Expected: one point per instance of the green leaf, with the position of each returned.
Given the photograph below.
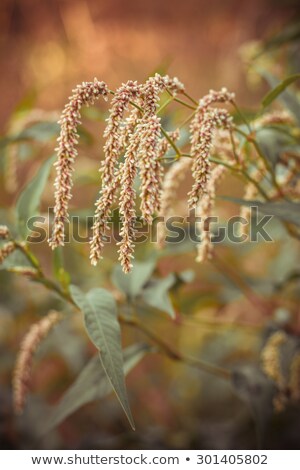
(156, 294)
(132, 283)
(287, 97)
(272, 143)
(284, 210)
(272, 95)
(100, 318)
(26, 103)
(90, 385)
(29, 200)
(186, 276)
(40, 132)
(257, 391)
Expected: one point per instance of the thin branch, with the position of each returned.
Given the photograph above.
(233, 275)
(174, 354)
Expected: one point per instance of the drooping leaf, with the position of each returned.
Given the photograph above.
(284, 210)
(287, 97)
(273, 94)
(257, 391)
(132, 283)
(100, 317)
(156, 294)
(273, 143)
(91, 384)
(29, 200)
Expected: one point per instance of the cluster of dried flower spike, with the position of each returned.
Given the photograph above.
(134, 131)
(287, 382)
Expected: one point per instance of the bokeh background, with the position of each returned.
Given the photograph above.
(49, 46)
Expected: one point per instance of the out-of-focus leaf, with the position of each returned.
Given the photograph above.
(272, 143)
(186, 276)
(287, 97)
(289, 34)
(257, 391)
(85, 136)
(16, 259)
(26, 103)
(156, 294)
(40, 132)
(91, 384)
(29, 199)
(93, 113)
(161, 68)
(273, 94)
(100, 318)
(284, 210)
(132, 283)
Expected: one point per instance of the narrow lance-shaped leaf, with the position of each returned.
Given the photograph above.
(287, 97)
(91, 384)
(100, 318)
(29, 200)
(272, 95)
(286, 210)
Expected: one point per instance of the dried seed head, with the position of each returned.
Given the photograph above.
(163, 147)
(149, 149)
(127, 203)
(274, 117)
(173, 178)
(4, 232)
(226, 147)
(213, 97)
(113, 134)
(110, 173)
(148, 164)
(84, 94)
(204, 211)
(128, 128)
(23, 368)
(270, 357)
(202, 132)
(6, 250)
(152, 89)
(101, 218)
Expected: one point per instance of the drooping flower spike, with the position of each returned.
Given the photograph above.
(84, 94)
(134, 145)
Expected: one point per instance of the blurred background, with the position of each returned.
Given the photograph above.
(49, 46)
